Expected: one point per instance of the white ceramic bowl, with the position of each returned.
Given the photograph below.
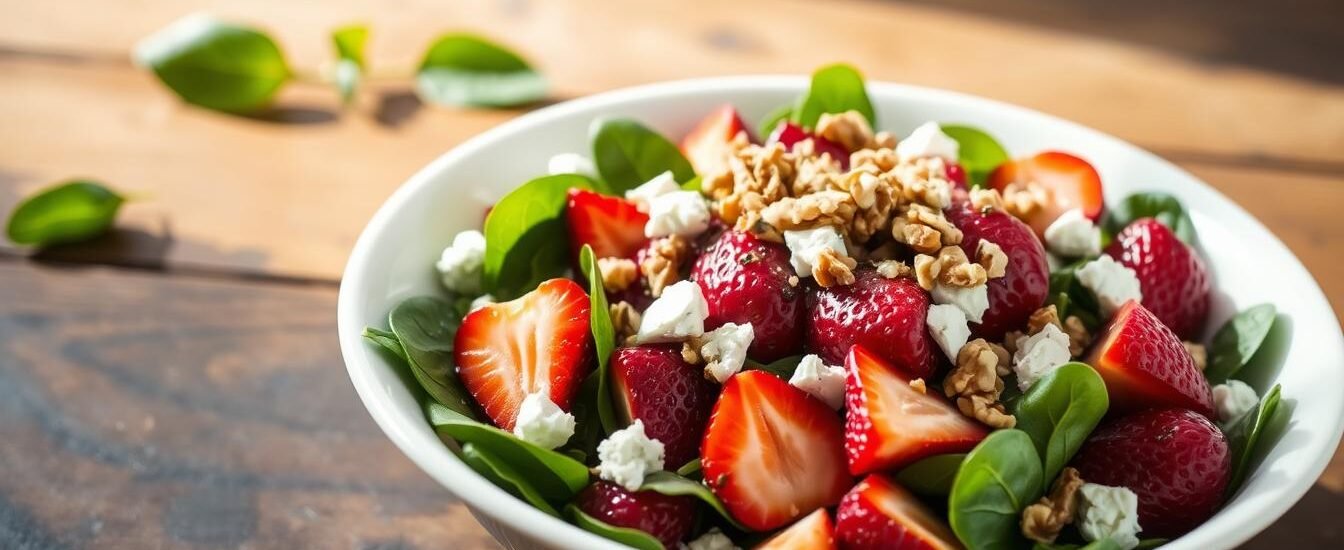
(394, 256)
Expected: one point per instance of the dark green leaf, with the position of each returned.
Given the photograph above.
(1059, 411)
(1237, 341)
(70, 212)
(214, 64)
(932, 476)
(604, 336)
(1245, 435)
(773, 118)
(1149, 544)
(782, 368)
(689, 469)
(501, 474)
(669, 483)
(999, 478)
(463, 69)
(1070, 297)
(979, 153)
(526, 241)
(426, 326)
(556, 476)
(835, 89)
(1103, 544)
(633, 538)
(387, 341)
(628, 154)
(1166, 208)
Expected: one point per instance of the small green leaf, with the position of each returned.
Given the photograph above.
(604, 336)
(690, 469)
(526, 241)
(1166, 208)
(773, 118)
(782, 368)
(556, 476)
(387, 341)
(350, 65)
(1248, 435)
(693, 184)
(633, 538)
(672, 484)
(67, 213)
(1236, 342)
(501, 474)
(932, 476)
(425, 326)
(1059, 411)
(216, 65)
(835, 89)
(998, 479)
(979, 153)
(628, 154)
(464, 69)
(1070, 297)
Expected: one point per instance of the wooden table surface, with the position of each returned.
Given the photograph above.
(178, 384)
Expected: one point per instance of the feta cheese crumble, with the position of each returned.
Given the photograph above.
(724, 349)
(928, 140)
(542, 422)
(1073, 235)
(822, 381)
(627, 455)
(713, 539)
(947, 325)
(682, 213)
(571, 163)
(1039, 354)
(806, 245)
(1111, 282)
(460, 265)
(972, 301)
(660, 185)
(1233, 400)
(675, 316)
(480, 302)
(1109, 512)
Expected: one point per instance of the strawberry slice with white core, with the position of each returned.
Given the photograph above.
(814, 532)
(879, 514)
(613, 226)
(772, 453)
(706, 146)
(536, 343)
(1070, 182)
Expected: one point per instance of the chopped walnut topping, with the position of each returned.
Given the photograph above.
(1080, 337)
(919, 385)
(833, 268)
(625, 321)
(893, 269)
(926, 271)
(885, 140)
(922, 238)
(1047, 315)
(956, 270)
(918, 214)
(1010, 340)
(1199, 353)
(976, 383)
(617, 273)
(662, 266)
(830, 207)
(1043, 521)
(924, 181)
(1022, 199)
(848, 129)
(690, 353)
(992, 258)
(986, 200)
(874, 160)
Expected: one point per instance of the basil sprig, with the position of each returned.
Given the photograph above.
(217, 65)
(67, 213)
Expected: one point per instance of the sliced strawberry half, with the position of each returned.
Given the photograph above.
(879, 514)
(772, 453)
(1070, 181)
(813, 532)
(655, 385)
(1145, 365)
(706, 146)
(890, 424)
(538, 342)
(613, 226)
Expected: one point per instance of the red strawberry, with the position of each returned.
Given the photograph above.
(1013, 297)
(1145, 365)
(746, 280)
(813, 532)
(885, 315)
(611, 225)
(1071, 182)
(508, 350)
(889, 424)
(671, 396)
(706, 146)
(1172, 276)
(879, 514)
(789, 134)
(772, 453)
(956, 174)
(1175, 460)
(668, 518)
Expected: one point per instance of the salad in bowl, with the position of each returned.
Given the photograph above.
(814, 333)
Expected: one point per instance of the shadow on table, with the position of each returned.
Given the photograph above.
(1311, 523)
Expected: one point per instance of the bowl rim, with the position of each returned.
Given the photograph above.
(479, 494)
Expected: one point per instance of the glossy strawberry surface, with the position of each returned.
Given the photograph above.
(885, 315)
(878, 514)
(813, 532)
(613, 226)
(1175, 283)
(668, 518)
(707, 145)
(1025, 285)
(746, 280)
(1069, 181)
(1145, 365)
(789, 134)
(672, 397)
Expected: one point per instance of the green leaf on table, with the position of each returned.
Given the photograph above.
(782, 368)
(773, 118)
(505, 477)
(604, 336)
(387, 341)
(350, 64)
(1236, 342)
(628, 154)
(998, 479)
(216, 65)
(465, 69)
(1162, 206)
(932, 476)
(1059, 411)
(425, 326)
(633, 538)
(66, 213)
(671, 484)
(526, 241)
(835, 89)
(1247, 437)
(978, 152)
(556, 476)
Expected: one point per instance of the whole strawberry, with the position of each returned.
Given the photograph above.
(1175, 460)
(1025, 286)
(668, 518)
(885, 315)
(747, 280)
(1172, 276)
(655, 385)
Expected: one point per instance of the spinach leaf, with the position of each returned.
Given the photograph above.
(633, 538)
(1166, 208)
(387, 341)
(690, 469)
(835, 89)
(628, 154)
(979, 153)
(1059, 411)
(672, 484)
(782, 368)
(425, 326)
(501, 474)
(1149, 544)
(464, 69)
(71, 212)
(932, 476)
(1247, 437)
(556, 476)
(216, 65)
(1070, 297)
(1103, 544)
(998, 479)
(604, 336)
(350, 65)
(693, 184)
(1236, 342)
(526, 240)
(773, 119)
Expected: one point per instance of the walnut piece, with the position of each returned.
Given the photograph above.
(662, 266)
(986, 200)
(624, 322)
(690, 352)
(1080, 337)
(894, 269)
(848, 129)
(1010, 340)
(992, 257)
(927, 269)
(1043, 520)
(1047, 315)
(976, 383)
(617, 273)
(919, 385)
(956, 270)
(833, 268)
(1023, 199)
(829, 207)
(1199, 353)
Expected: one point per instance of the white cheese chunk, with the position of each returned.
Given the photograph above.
(684, 213)
(1109, 512)
(947, 325)
(806, 245)
(461, 264)
(660, 185)
(675, 316)
(822, 381)
(542, 422)
(1039, 354)
(973, 301)
(627, 455)
(928, 140)
(724, 350)
(1233, 400)
(1111, 282)
(1072, 235)
(714, 539)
